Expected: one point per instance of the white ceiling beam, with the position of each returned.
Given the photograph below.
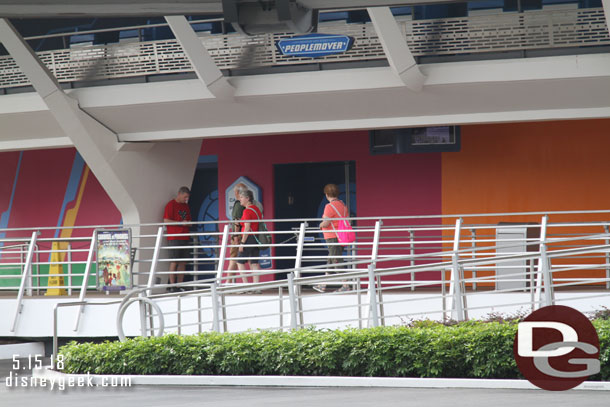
(139, 8)
(36, 144)
(202, 62)
(395, 47)
(606, 6)
(106, 8)
(472, 73)
(369, 123)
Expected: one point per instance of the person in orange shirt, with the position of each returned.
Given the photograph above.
(335, 208)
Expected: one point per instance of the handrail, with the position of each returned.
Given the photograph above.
(83, 290)
(386, 249)
(26, 272)
(340, 277)
(360, 273)
(69, 304)
(313, 220)
(291, 282)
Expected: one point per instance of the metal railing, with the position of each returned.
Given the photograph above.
(504, 31)
(397, 268)
(561, 260)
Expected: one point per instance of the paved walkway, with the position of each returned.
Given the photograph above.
(149, 396)
(170, 396)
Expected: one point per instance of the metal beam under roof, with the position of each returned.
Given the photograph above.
(121, 8)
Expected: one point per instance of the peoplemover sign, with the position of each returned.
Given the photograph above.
(315, 45)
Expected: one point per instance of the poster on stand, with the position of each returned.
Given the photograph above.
(113, 260)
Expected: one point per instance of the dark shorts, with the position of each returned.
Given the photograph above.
(334, 250)
(182, 253)
(253, 251)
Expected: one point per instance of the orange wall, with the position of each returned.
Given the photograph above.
(543, 166)
(531, 167)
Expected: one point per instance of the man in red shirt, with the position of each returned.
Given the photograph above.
(177, 210)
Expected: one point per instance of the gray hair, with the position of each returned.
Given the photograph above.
(247, 193)
(184, 190)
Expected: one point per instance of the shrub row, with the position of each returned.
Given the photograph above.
(470, 349)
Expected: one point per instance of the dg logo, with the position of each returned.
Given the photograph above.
(556, 348)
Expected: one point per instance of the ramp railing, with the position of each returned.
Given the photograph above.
(441, 266)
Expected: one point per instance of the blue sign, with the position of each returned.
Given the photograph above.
(315, 45)
(230, 197)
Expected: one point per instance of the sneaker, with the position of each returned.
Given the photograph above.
(319, 288)
(343, 289)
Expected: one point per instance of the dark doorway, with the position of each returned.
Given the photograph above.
(204, 207)
(299, 194)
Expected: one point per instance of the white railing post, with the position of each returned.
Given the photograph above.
(606, 231)
(69, 257)
(299, 257)
(375, 248)
(22, 254)
(544, 273)
(199, 313)
(297, 267)
(444, 294)
(223, 254)
(473, 235)
(455, 287)
(280, 294)
(37, 269)
(151, 282)
(215, 309)
(293, 301)
(179, 313)
(373, 313)
(24, 278)
(155, 261)
(374, 256)
(30, 284)
(412, 253)
(85, 283)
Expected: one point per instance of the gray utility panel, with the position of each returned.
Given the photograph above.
(512, 239)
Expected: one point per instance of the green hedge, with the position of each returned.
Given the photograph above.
(427, 349)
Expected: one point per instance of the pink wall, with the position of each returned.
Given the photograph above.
(8, 167)
(398, 184)
(43, 187)
(402, 184)
(386, 185)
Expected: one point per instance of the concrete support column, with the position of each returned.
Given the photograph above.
(140, 178)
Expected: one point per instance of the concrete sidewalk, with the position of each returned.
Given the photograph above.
(168, 396)
(236, 396)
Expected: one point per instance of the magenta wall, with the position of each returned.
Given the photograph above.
(398, 184)
(39, 188)
(49, 180)
(386, 185)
